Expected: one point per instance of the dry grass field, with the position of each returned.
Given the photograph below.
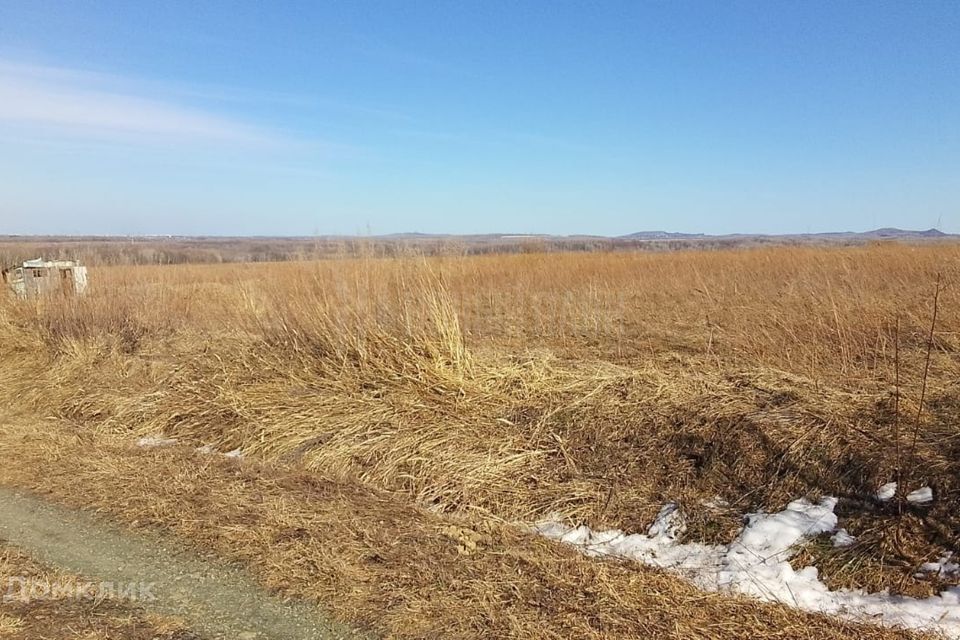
(488, 391)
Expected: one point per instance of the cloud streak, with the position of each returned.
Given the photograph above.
(98, 106)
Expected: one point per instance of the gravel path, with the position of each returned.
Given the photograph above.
(218, 601)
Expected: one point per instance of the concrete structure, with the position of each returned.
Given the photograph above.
(41, 277)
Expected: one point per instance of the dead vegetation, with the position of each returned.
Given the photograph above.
(596, 386)
(384, 564)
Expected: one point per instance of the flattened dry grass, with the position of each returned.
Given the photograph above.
(380, 563)
(594, 386)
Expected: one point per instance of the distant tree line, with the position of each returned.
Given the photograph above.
(160, 251)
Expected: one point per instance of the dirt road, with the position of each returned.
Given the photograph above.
(217, 601)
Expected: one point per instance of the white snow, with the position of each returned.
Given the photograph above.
(152, 442)
(756, 564)
(209, 450)
(716, 503)
(923, 495)
(945, 567)
(842, 538)
(887, 491)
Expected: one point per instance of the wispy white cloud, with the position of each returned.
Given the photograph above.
(94, 105)
(178, 91)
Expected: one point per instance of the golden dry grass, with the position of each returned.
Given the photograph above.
(595, 386)
(384, 565)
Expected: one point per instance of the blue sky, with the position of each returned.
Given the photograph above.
(287, 118)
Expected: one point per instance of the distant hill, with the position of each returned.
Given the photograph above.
(891, 232)
(662, 235)
(886, 233)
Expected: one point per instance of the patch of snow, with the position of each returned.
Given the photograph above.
(945, 567)
(757, 564)
(210, 450)
(842, 538)
(716, 503)
(923, 495)
(152, 442)
(669, 523)
(887, 491)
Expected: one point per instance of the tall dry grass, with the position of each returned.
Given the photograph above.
(596, 386)
(812, 311)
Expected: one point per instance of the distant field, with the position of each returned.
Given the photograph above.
(590, 386)
(151, 250)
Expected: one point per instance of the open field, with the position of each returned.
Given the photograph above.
(453, 398)
(148, 250)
